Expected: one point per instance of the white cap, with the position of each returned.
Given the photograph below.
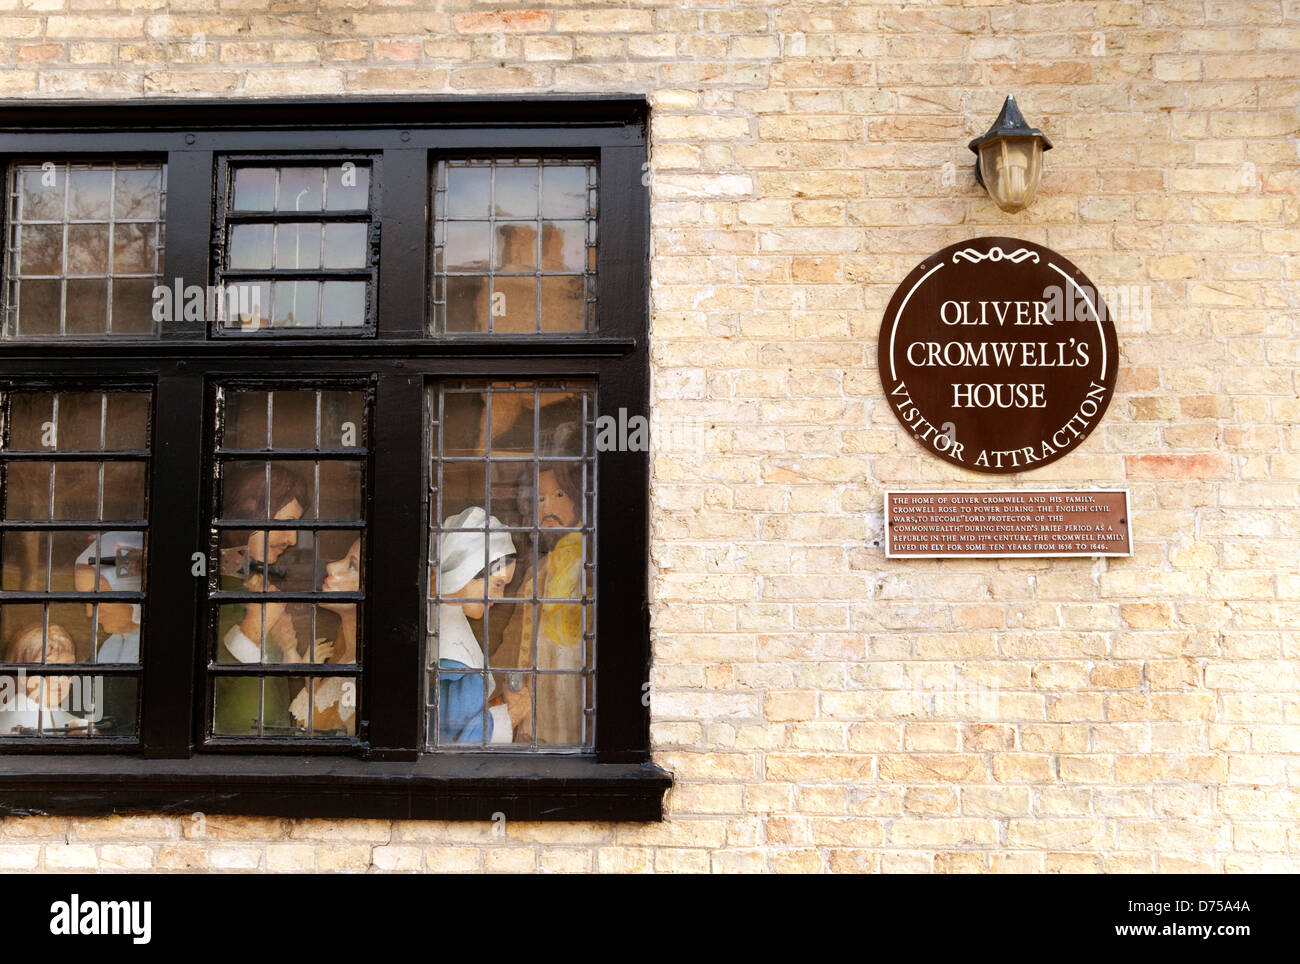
(461, 555)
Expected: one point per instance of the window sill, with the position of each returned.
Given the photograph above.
(432, 788)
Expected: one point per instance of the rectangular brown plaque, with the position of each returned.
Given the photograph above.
(1067, 522)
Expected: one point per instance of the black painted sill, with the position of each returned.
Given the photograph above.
(446, 787)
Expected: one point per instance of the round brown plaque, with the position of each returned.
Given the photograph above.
(998, 355)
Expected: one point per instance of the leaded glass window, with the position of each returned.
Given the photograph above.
(514, 245)
(512, 566)
(73, 540)
(85, 248)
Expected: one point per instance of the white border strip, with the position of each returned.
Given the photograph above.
(1096, 315)
(898, 316)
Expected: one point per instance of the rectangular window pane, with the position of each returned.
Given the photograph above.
(511, 615)
(84, 249)
(514, 245)
(73, 539)
(310, 272)
(289, 529)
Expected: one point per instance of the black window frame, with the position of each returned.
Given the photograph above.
(391, 775)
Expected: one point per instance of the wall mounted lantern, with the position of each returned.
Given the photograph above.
(1009, 158)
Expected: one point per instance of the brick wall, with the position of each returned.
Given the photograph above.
(822, 708)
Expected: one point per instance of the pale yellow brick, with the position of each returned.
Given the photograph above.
(677, 860)
(925, 834)
(70, 857)
(798, 861)
(397, 857)
(372, 831)
(456, 860)
(565, 861)
(126, 857)
(200, 826)
(234, 858)
(182, 857)
(20, 856)
(133, 827)
(293, 858)
(342, 857)
(623, 860)
(510, 860)
(930, 800)
(35, 827)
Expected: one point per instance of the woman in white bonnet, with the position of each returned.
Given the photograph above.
(476, 567)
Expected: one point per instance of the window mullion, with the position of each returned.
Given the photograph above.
(188, 235)
(402, 205)
(622, 550)
(623, 249)
(170, 653)
(392, 698)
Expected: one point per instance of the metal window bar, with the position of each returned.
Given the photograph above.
(18, 219)
(49, 595)
(442, 218)
(310, 671)
(533, 596)
(277, 218)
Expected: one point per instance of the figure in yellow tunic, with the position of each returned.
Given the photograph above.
(557, 630)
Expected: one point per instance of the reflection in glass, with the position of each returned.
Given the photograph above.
(301, 189)
(295, 303)
(87, 249)
(254, 189)
(133, 306)
(343, 304)
(345, 245)
(515, 192)
(467, 246)
(40, 305)
(250, 246)
(41, 196)
(347, 188)
(563, 304)
(135, 196)
(465, 303)
(87, 306)
(515, 247)
(564, 191)
(133, 248)
(514, 304)
(297, 246)
(88, 193)
(469, 192)
(564, 246)
(40, 249)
